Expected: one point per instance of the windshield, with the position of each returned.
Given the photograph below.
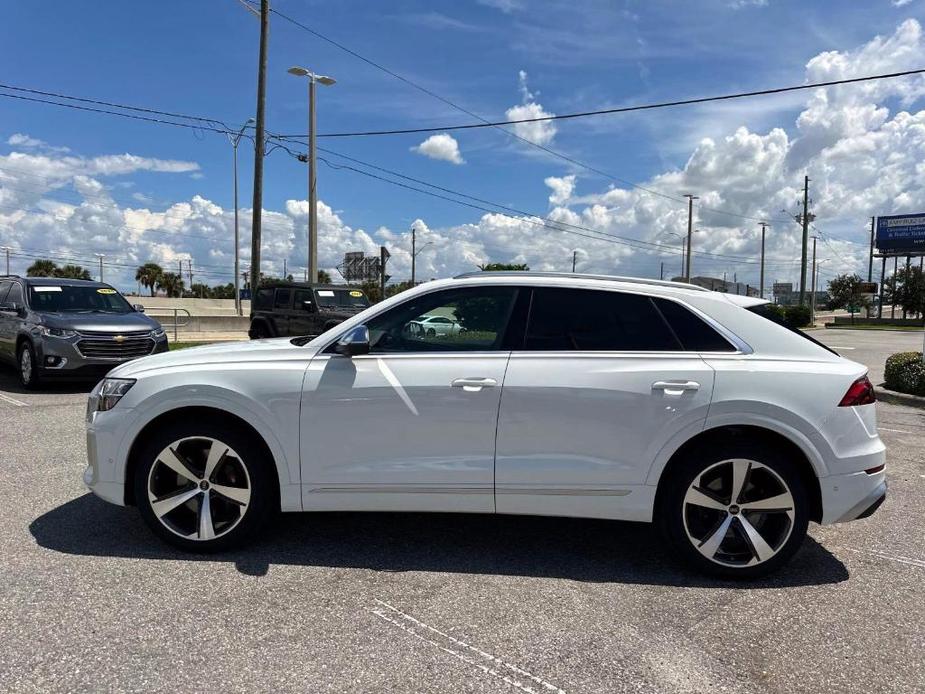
(349, 298)
(74, 299)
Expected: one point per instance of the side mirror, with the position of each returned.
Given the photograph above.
(139, 308)
(354, 342)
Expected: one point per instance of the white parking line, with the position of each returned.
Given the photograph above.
(407, 623)
(842, 347)
(895, 431)
(900, 559)
(13, 401)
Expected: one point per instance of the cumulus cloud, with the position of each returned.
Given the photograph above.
(901, 3)
(24, 141)
(506, 6)
(562, 188)
(541, 132)
(443, 147)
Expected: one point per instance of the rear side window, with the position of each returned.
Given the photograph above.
(283, 298)
(693, 333)
(264, 299)
(585, 319)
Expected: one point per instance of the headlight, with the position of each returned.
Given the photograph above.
(111, 391)
(56, 332)
(158, 333)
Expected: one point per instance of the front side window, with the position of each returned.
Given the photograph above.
(15, 295)
(283, 297)
(263, 299)
(479, 316)
(591, 320)
(303, 300)
(4, 290)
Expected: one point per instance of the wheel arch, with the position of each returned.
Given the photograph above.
(263, 321)
(192, 413)
(752, 433)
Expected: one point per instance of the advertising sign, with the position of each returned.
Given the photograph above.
(901, 234)
(782, 288)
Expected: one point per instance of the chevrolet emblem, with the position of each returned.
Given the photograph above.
(119, 338)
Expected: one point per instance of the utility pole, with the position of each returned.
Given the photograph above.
(413, 254)
(805, 221)
(870, 263)
(384, 255)
(764, 226)
(7, 249)
(906, 279)
(285, 274)
(690, 233)
(100, 256)
(235, 141)
(189, 267)
(661, 272)
(812, 298)
(259, 145)
(575, 259)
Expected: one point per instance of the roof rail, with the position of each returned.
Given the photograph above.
(587, 276)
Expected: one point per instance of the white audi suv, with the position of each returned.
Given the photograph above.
(560, 395)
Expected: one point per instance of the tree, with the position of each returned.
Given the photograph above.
(42, 268)
(149, 275)
(845, 290)
(908, 286)
(171, 283)
(501, 267)
(324, 277)
(73, 272)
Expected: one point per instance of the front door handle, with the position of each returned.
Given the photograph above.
(675, 387)
(473, 385)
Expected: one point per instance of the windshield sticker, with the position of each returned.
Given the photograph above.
(356, 293)
(324, 292)
(46, 289)
(105, 290)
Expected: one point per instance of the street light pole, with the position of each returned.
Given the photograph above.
(312, 177)
(690, 232)
(413, 254)
(235, 141)
(7, 249)
(764, 226)
(100, 256)
(812, 297)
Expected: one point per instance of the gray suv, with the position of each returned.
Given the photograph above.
(70, 328)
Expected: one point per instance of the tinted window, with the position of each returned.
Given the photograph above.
(583, 319)
(4, 288)
(477, 317)
(264, 299)
(301, 296)
(15, 295)
(283, 298)
(693, 333)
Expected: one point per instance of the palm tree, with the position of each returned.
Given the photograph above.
(73, 272)
(171, 283)
(324, 277)
(148, 275)
(42, 268)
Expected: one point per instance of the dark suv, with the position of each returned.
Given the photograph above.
(296, 308)
(53, 327)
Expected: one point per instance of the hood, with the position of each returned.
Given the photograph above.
(223, 353)
(100, 322)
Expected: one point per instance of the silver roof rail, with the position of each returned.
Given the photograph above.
(580, 275)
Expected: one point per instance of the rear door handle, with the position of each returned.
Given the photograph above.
(675, 387)
(473, 384)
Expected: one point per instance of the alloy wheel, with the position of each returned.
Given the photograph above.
(738, 512)
(198, 488)
(25, 365)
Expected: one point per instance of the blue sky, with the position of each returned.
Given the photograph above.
(200, 58)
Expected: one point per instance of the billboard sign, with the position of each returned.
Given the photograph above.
(901, 234)
(782, 288)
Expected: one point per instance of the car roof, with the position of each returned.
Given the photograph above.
(566, 279)
(61, 282)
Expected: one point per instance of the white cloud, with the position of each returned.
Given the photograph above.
(506, 6)
(27, 142)
(541, 132)
(739, 4)
(562, 189)
(901, 3)
(442, 146)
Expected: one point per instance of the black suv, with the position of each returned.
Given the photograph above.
(296, 308)
(52, 327)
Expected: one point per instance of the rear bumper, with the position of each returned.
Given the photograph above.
(851, 497)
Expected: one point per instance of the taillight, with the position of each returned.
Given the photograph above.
(861, 392)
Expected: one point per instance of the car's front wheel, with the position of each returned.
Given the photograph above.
(203, 487)
(737, 511)
(28, 365)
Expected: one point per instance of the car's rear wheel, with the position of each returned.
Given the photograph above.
(203, 488)
(28, 365)
(260, 332)
(737, 511)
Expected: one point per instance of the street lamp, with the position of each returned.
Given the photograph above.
(235, 140)
(100, 256)
(312, 179)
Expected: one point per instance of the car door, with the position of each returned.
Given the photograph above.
(600, 384)
(8, 322)
(301, 320)
(411, 425)
(282, 307)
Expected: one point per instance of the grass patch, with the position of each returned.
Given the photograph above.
(905, 328)
(183, 345)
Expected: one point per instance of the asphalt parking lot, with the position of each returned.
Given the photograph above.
(411, 603)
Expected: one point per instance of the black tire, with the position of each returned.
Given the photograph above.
(260, 331)
(675, 517)
(431, 332)
(33, 381)
(264, 488)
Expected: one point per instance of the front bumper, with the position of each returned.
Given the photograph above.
(105, 471)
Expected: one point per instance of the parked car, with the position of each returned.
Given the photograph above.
(624, 399)
(297, 308)
(63, 328)
(433, 326)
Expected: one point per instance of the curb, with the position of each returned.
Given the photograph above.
(896, 398)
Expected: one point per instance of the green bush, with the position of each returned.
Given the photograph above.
(796, 316)
(905, 373)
